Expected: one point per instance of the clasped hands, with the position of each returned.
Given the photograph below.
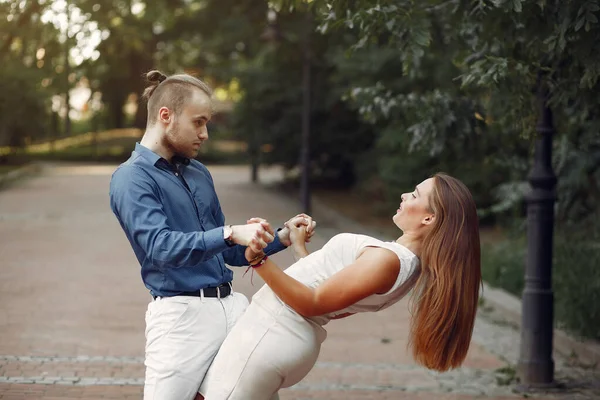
(258, 233)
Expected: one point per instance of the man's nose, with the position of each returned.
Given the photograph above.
(203, 134)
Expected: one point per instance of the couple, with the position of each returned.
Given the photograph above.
(166, 203)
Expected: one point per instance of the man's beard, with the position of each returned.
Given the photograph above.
(175, 145)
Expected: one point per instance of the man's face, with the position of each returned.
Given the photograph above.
(187, 131)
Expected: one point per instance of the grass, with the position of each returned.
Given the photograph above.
(117, 150)
(4, 169)
(354, 205)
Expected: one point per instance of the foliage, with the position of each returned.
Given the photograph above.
(156, 34)
(463, 61)
(23, 106)
(269, 73)
(438, 84)
(575, 255)
(29, 60)
(503, 264)
(577, 300)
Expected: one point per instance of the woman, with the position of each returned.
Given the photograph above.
(277, 341)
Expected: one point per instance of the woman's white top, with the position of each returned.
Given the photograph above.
(343, 250)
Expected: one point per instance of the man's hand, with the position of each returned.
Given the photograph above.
(254, 234)
(298, 220)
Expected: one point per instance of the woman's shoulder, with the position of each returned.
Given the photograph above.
(357, 242)
(352, 239)
(354, 236)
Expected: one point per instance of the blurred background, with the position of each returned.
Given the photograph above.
(365, 98)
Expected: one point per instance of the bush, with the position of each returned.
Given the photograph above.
(576, 283)
(575, 280)
(24, 106)
(503, 265)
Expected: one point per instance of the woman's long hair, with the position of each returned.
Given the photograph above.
(447, 292)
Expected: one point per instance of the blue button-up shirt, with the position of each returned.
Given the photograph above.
(173, 220)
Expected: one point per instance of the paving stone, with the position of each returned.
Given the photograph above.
(72, 319)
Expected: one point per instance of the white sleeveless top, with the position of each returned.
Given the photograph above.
(343, 250)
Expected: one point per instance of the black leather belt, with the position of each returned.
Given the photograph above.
(221, 291)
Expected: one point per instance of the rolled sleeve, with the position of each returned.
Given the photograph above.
(235, 256)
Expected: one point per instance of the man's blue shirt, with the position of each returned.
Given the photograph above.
(172, 217)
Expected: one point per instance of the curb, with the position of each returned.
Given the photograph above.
(28, 169)
(507, 305)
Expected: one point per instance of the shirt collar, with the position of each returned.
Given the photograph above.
(155, 158)
(181, 160)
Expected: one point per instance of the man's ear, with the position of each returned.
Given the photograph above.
(429, 219)
(164, 115)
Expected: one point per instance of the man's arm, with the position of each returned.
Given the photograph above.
(137, 205)
(234, 256)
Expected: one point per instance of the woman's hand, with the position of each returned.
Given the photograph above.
(298, 233)
(298, 236)
(304, 219)
(253, 252)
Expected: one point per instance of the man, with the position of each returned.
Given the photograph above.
(166, 203)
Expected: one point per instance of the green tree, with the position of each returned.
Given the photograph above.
(461, 63)
(30, 53)
(21, 98)
(236, 46)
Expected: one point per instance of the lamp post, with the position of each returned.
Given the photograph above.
(271, 35)
(305, 147)
(536, 366)
(67, 72)
(254, 150)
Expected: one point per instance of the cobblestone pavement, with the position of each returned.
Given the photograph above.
(72, 313)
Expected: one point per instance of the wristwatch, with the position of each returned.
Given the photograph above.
(227, 235)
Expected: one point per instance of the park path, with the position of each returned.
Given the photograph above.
(72, 303)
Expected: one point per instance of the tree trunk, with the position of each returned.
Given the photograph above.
(116, 111)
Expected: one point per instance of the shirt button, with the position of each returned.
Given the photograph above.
(176, 174)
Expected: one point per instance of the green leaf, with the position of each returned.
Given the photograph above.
(593, 7)
(390, 24)
(421, 37)
(517, 6)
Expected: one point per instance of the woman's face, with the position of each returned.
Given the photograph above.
(414, 211)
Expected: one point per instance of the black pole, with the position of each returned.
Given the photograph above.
(254, 157)
(536, 366)
(305, 149)
(67, 73)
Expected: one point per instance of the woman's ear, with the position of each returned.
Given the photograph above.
(428, 220)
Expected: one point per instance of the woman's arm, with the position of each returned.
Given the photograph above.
(375, 271)
(299, 251)
(299, 234)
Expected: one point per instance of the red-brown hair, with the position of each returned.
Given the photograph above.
(447, 292)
